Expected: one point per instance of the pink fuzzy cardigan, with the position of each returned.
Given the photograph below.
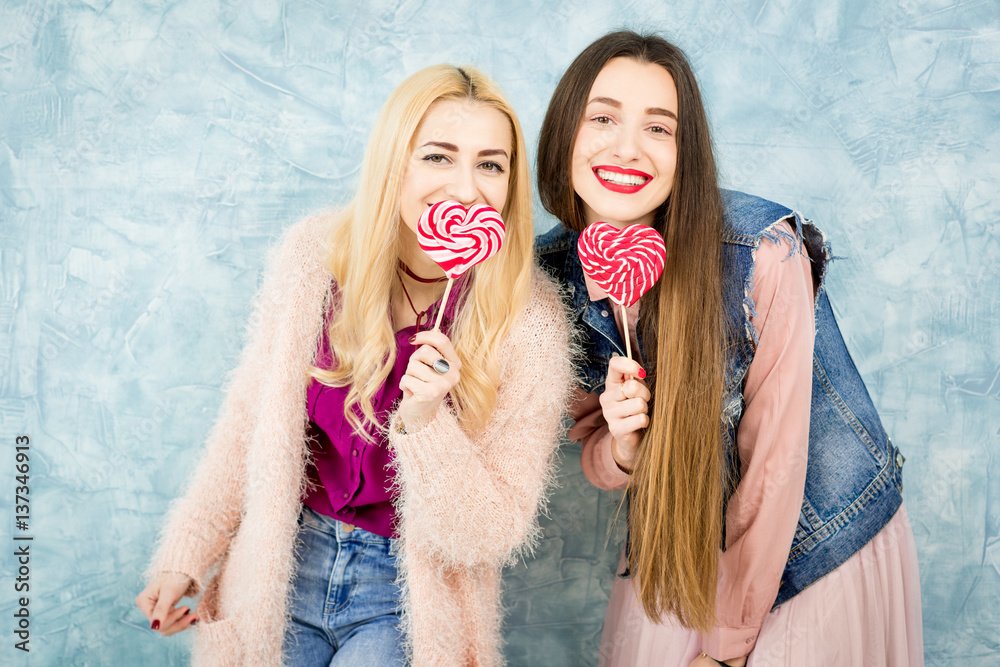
(467, 505)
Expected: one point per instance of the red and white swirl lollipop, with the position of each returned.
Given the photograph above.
(625, 263)
(458, 238)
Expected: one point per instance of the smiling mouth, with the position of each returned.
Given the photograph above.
(622, 180)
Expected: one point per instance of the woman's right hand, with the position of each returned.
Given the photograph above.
(159, 599)
(625, 403)
(423, 387)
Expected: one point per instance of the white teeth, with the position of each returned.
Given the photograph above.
(620, 179)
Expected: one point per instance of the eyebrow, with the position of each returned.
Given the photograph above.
(454, 149)
(650, 111)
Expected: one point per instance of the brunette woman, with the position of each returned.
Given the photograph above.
(364, 465)
(765, 516)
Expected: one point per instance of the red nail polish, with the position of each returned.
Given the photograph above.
(642, 374)
(155, 625)
(194, 621)
(412, 338)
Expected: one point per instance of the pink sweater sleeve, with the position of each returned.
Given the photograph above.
(471, 501)
(201, 523)
(773, 441)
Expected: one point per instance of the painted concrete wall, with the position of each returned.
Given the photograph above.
(150, 153)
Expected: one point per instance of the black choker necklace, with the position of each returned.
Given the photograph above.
(406, 270)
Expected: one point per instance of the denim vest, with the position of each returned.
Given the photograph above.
(853, 479)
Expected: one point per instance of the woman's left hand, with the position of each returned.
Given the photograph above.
(424, 387)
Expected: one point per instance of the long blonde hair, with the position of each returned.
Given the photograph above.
(365, 244)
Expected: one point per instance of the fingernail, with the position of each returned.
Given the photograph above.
(413, 337)
(155, 625)
(194, 621)
(642, 374)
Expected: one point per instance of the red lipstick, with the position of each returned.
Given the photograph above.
(618, 187)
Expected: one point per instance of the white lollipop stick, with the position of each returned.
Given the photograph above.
(444, 302)
(628, 336)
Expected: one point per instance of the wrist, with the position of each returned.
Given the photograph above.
(413, 418)
(624, 462)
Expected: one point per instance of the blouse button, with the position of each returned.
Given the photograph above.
(346, 496)
(355, 453)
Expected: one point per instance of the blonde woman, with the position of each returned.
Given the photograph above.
(368, 476)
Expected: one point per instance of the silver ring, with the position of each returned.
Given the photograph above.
(441, 366)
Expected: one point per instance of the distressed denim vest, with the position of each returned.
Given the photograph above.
(853, 480)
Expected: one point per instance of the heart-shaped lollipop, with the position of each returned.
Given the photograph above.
(458, 239)
(623, 262)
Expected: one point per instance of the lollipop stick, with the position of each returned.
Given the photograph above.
(444, 302)
(628, 336)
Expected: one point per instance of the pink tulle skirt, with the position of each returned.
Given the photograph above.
(866, 613)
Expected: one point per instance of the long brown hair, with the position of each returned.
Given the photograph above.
(676, 491)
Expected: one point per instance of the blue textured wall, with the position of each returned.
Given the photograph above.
(150, 152)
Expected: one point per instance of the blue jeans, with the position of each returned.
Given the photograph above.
(345, 603)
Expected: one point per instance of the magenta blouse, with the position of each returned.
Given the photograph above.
(351, 479)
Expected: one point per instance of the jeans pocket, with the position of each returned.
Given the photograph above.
(375, 583)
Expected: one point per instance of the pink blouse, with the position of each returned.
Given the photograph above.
(773, 441)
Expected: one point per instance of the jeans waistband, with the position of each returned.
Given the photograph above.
(339, 529)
